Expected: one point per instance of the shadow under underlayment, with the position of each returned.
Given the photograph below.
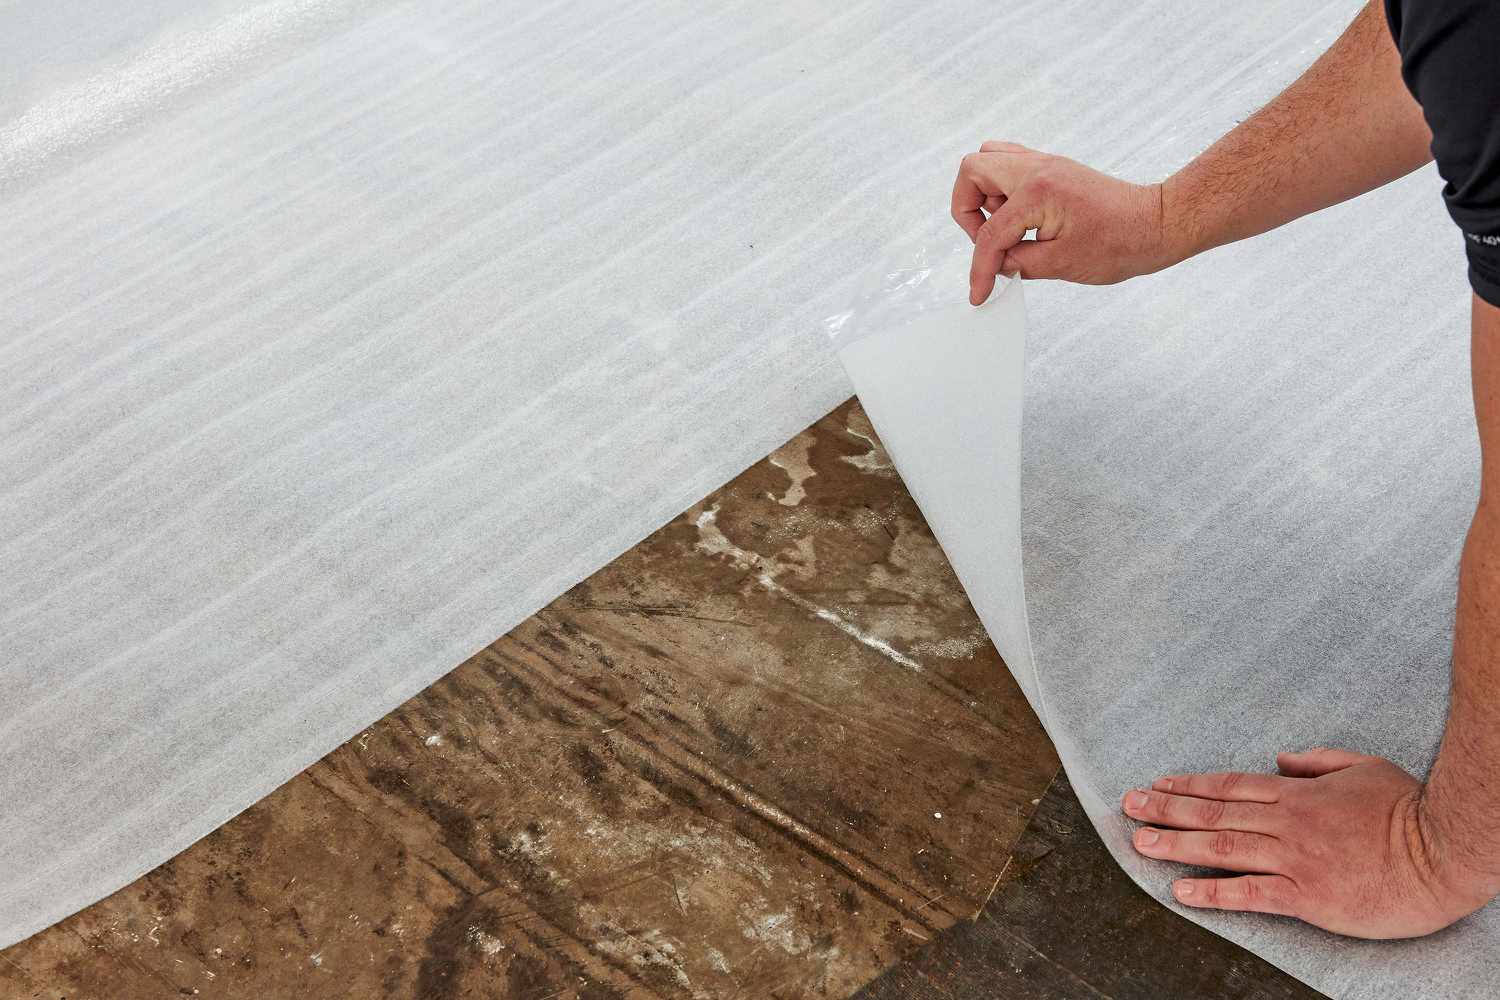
(1071, 924)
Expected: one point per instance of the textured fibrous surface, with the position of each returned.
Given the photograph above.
(336, 339)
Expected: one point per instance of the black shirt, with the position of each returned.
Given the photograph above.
(1450, 60)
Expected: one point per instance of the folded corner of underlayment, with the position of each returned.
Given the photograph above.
(1165, 591)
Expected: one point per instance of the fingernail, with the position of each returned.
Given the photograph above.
(1135, 800)
(1147, 837)
(1184, 888)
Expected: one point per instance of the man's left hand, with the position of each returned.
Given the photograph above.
(1338, 839)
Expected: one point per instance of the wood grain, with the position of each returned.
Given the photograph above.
(765, 753)
(1067, 922)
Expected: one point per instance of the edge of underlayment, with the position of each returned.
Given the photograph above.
(1112, 827)
(1114, 830)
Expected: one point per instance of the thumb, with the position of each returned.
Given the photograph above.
(1032, 259)
(1316, 762)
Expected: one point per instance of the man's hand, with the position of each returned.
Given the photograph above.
(1090, 227)
(1340, 840)
(1345, 126)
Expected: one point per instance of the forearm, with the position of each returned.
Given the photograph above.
(1461, 802)
(1346, 126)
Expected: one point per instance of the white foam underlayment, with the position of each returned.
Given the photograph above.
(337, 338)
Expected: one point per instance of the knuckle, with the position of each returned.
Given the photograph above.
(1285, 897)
(1223, 844)
(1211, 812)
(1229, 782)
(1249, 891)
(1046, 181)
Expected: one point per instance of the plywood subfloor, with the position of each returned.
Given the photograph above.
(767, 752)
(1066, 923)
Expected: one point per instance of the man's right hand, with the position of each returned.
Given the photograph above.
(1090, 228)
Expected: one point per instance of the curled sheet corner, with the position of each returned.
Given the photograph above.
(943, 384)
(1209, 578)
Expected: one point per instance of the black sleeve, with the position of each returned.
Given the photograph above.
(1450, 60)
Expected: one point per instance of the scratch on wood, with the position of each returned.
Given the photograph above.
(934, 899)
(989, 895)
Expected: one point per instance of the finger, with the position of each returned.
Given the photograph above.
(1033, 259)
(1003, 231)
(1316, 762)
(993, 202)
(982, 176)
(968, 200)
(999, 146)
(1187, 813)
(1232, 786)
(1234, 850)
(1256, 893)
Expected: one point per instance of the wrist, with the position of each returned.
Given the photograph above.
(1463, 863)
(1177, 236)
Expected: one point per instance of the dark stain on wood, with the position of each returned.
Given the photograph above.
(1069, 923)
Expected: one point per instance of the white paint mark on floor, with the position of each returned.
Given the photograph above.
(778, 929)
(953, 647)
(876, 459)
(792, 459)
(711, 539)
(481, 941)
(646, 950)
(848, 628)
